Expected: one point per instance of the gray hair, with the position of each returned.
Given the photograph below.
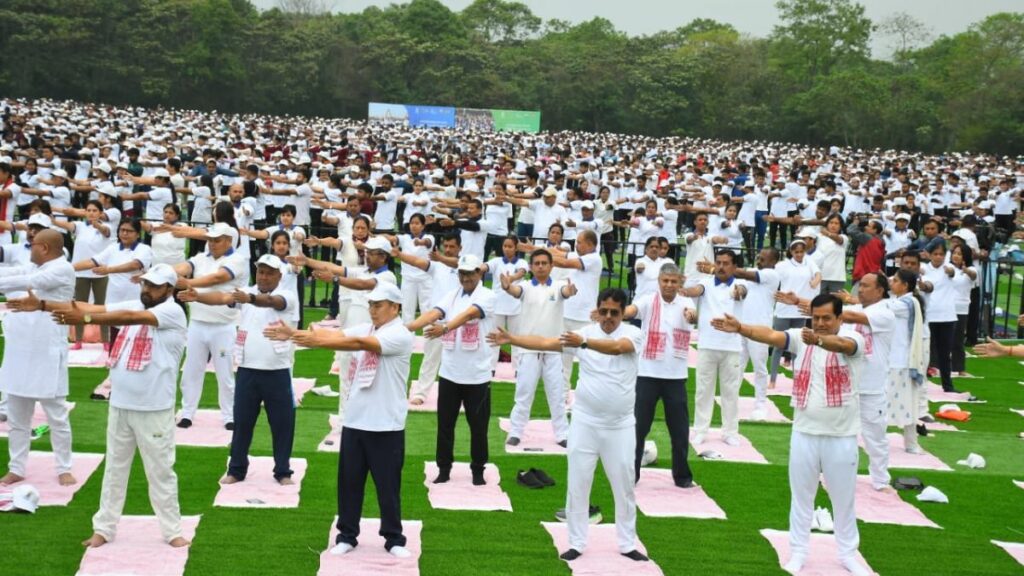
(669, 269)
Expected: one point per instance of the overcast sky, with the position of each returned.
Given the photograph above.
(756, 17)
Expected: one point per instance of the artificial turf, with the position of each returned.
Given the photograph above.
(984, 504)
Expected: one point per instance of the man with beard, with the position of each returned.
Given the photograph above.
(143, 376)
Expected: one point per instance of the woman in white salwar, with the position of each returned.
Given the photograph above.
(907, 359)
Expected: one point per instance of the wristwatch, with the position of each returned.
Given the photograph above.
(87, 319)
(584, 345)
(819, 341)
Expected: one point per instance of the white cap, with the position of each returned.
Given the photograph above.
(219, 229)
(587, 205)
(23, 497)
(40, 219)
(161, 274)
(550, 192)
(973, 461)
(469, 263)
(378, 243)
(807, 232)
(107, 188)
(903, 216)
(273, 262)
(798, 241)
(59, 173)
(161, 173)
(932, 494)
(385, 291)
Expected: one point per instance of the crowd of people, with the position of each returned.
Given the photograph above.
(200, 235)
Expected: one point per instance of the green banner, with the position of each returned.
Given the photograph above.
(516, 120)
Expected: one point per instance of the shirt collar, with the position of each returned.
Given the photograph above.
(121, 246)
(383, 268)
(535, 282)
(726, 282)
(512, 261)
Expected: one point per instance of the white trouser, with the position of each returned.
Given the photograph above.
(910, 441)
(3, 403)
(531, 366)
(214, 342)
(922, 397)
(19, 440)
(757, 354)
(568, 355)
(725, 367)
(874, 415)
(429, 367)
(153, 434)
(835, 457)
(415, 291)
(510, 323)
(356, 315)
(616, 447)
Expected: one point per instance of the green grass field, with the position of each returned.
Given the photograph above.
(984, 504)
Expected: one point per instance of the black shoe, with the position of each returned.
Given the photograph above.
(229, 426)
(922, 430)
(478, 478)
(185, 423)
(685, 484)
(637, 556)
(927, 418)
(951, 390)
(529, 479)
(443, 475)
(563, 443)
(95, 396)
(570, 554)
(594, 511)
(543, 477)
(512, 441)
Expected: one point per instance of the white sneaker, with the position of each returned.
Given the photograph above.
(825, 523)
(795, 564)
(854, 567)
(815, 525)
(732, 441)
(914, 450)
(399, 552)
(342, 548)
(759, 415)
(697, 439)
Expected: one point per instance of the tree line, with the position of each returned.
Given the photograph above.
(812, 80)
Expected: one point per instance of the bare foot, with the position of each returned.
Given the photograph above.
(229, 479)
(179, 542)
(66, 479)
(887, 490)
(286, 481)
(771, 385)
(416, 401)
(94, 541)
(11, 478)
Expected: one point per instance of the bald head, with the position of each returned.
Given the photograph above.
(47, 245)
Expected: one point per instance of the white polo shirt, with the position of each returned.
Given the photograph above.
(606, 390)
(154, 387)
(381, 274)
(542, 311)
(818, 418)
(716, 302)
(203, 264)
(878, 337)
(88, 242)
(382, 406)
(588, 284)
(647, 278)
(942, 300)
(796, 277)
(252, 348)
(465, 354)
(544, 216)
(406, 243)
(758, 307)
(669, 363)
(158, 199)
(444, 279)
(120, 287)
(504, 303)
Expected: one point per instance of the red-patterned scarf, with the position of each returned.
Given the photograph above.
(139, 356)
(837, 380)
(656, 339)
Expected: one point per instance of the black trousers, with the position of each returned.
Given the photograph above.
(477, 400)
(943, 336)
(272, 389)
(381, 454)
(672, 393)
(493, 246)
(973, 317)
(959, 361)
(608, 245)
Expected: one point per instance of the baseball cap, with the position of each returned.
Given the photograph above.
(273, 262)
(587, 205)
(385, 291)
(23, 497)
(59, 173)
(469, 263)
(378, 243)
(161, 173)
(550, 192)
(903, 216)
(217, 230)
(40, 219)
(161, 274)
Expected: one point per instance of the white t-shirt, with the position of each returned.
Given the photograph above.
(606, 389)
(588, 284)
(167, 249)
(542, 312)
(942, 299)
(383, 405)
(504, 303)
(795, 277)
(88, 242)
(203, 264)
(962, 286)
(497, 216)
(159, 198)
(878, 339)
(818, 418)
(120, 287)
(758, 308)
(669, 362)
(647, 272)
(544, 216)
(259, 352)
(466, 356)
(831, 259)
(154, 387)
(716, 302)
(384, 217)
(406, 243)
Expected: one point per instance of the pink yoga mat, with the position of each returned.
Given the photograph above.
(1014, 549)
(505, 372)
(658, 496)
(40, 472)
(823, 558)
(936, 394)
(370, 558)
(92, 355)
(745, 452)
(331, 442)
(746, 406)
(139, 550)
(538, 438)
(300, 386)
(429, 403)
(260, 490)
(207, 430)
(940, 426)
(900, 458)
(38, 419)
(459, 493)
(691, 357)
(783, 384)
(886, 508)
(602, 557)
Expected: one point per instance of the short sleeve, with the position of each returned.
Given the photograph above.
(881, 319)
(858, 340)
(237, 266)
(642, 304)
(395, 341)
(169, 316)
(104, 256)
(794, 344)
(144, 254)
(635, 336)
(484, 300)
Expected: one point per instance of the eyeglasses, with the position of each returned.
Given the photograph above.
(612, 312)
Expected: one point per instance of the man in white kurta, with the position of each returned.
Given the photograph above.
(603, 424)
(35, 364)
(826, 421)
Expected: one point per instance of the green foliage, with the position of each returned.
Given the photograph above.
(813, 80)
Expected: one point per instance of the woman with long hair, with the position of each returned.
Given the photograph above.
(907, 368)
(961, 257)
(92, 234)
(799, 276)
